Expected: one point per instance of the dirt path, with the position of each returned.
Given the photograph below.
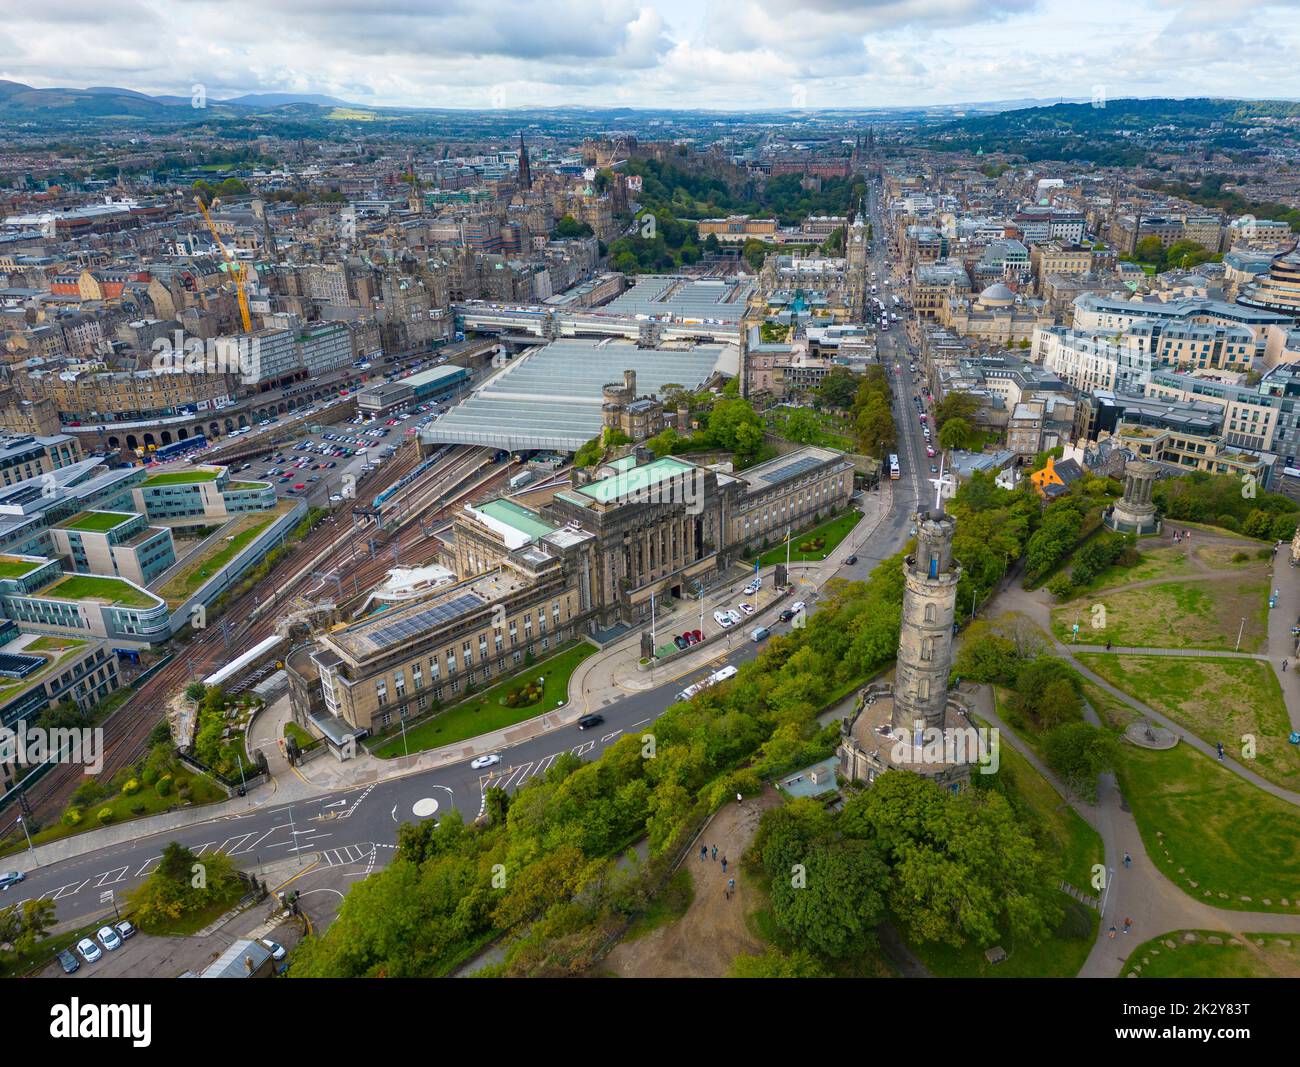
(704, 941)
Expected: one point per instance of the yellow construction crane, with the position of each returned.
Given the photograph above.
(237, 269)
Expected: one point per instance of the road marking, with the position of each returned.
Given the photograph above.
(144, 867)
(68, 890)
(609, 737)
(584, 748)
(112, 877)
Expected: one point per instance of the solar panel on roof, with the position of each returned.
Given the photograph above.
(16, 665)
(792, 470)
(423, 621)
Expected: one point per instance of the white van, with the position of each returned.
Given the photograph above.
(759, 633)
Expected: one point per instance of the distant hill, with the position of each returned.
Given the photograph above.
(260, 100)
(19, 101)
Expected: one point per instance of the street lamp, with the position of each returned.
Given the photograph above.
(30, 848)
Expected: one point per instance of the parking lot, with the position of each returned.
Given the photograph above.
(317, 464)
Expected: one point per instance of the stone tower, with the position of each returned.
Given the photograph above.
(925, 639)
(855, 255)
(1136, 512)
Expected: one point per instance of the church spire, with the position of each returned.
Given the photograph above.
(525, 172)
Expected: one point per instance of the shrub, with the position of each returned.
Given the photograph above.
(72, 817)
(1240, 557)
(131, 788)
(139, 809)
(105, 816)
(1061, 587)
(164, 786)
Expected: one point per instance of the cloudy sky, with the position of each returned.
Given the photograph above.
(661, 53)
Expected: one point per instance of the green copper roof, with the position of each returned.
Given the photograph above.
(517, 516)
(635, 480)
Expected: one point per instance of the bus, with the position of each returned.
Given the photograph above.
(894, 472)
(704, 683)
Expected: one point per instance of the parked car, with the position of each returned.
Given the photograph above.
(588, 721)
(754, 586)
(722, 618)
(746, 607)
(109, 938)
(485, 761)
(68, 961)
(735, 616)
(693, 636)
(125, 929)
(278, 951)
(681, 641)
(90, 951)
(798, 606)
(11, 878)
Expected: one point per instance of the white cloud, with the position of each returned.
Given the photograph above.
(671, 53)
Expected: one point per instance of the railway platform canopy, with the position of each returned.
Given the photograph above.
(551, 398)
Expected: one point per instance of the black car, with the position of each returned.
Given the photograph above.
(588, 721)
(680, 642)
(851, 560)
(786, 615)
(68, 962)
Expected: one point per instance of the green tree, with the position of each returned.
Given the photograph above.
(875, 427)
(735, 426)
(955, 434)
(802, 427)
(838, 388)
(1079, 753)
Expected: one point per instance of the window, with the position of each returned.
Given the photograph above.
(931, 613)
(381, 692)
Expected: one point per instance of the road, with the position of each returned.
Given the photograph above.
(356, 828)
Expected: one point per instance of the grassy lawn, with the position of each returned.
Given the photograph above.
(53, 644)
(1201, 823)
(292, 729)
(1168, 562)
(207, 565)
(237, 486)
(1169, 956)
(1058, 956)
(1110, 709)
(831, 532)
(1216, 699)
(1060, 827)
(93, 587)
(1194, 614)
(96, 521)
(484, 712)
(202, 791)
(180, 478)
(16, 568)
(1227, 557)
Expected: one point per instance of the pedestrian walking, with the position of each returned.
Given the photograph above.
(1220, 745)
(1107, 646)
(703, 852)
(739, 799)
(1128, 923)
(724, 864)
(1128, 860)
(1111, 934)
(1284, 666)
(731, 885)
(715, 853)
